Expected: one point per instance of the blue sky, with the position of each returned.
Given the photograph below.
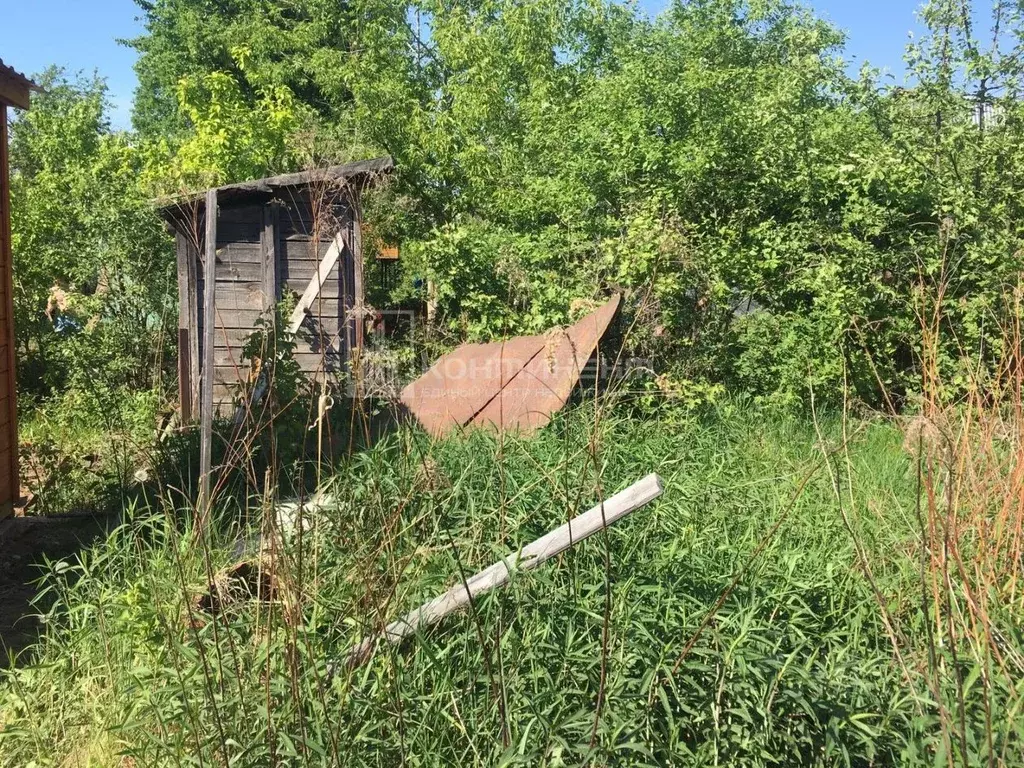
(82, 35)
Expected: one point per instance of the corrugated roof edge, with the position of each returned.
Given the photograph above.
(15, 74)
(268, 185)
(11, 75)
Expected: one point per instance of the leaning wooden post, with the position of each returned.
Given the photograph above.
(185, 309)
(531, 556)
(209, 339)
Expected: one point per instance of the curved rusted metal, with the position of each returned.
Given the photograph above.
(518, 384)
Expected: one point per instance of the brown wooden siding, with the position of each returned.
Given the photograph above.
(266, 249)
(10, 488)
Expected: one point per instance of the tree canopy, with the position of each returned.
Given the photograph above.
(772, 220)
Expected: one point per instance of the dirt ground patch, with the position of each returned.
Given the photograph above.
(25, 544)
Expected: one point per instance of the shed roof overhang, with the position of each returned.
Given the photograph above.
(261, 189)
(15, 88)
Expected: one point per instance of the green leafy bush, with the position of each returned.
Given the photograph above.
(714, 156)
(94, 294)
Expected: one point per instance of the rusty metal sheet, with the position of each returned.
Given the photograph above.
(543, 386)
(461, 383)
(516, 384)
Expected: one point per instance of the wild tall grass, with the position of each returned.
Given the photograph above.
(826, 589)
(967, 441)
(735, 621)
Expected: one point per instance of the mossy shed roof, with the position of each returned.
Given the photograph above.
(257, 189)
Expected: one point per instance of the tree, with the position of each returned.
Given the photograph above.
(232, 137)
(558, 150)
(92, 264)
(770, 218)
(262, 45)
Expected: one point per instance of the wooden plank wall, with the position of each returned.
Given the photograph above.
(264, 250)
(10, 487)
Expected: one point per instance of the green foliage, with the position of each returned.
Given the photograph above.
(90, 254)
(715, 157)
(94, 285)
(559, 151)
(774, 224)
(284, 388)
(231, 139)
(261, 45)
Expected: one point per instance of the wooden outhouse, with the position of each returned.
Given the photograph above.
(298, 234)
(14, 92)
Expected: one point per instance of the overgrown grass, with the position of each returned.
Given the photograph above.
(696, 632)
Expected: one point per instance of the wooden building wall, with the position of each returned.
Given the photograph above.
(10, 488)
(263, 250)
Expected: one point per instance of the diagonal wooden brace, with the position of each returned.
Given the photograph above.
(327, 263)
